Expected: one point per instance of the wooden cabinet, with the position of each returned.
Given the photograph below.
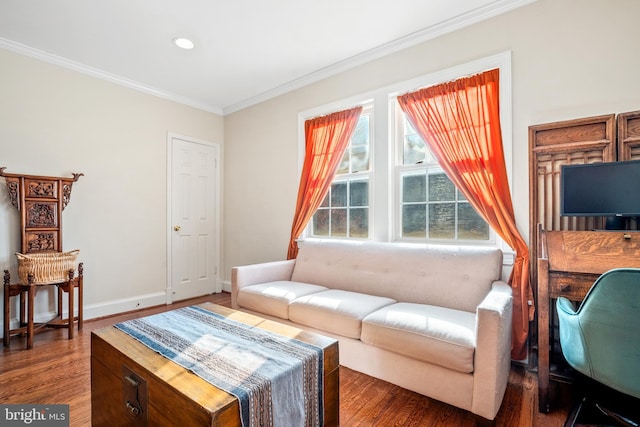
(552, 145)
(629, 136)
(40, 200)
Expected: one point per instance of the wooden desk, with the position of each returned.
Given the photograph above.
(170, 395)
(568, 264)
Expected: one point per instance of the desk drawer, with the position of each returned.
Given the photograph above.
(573, 286)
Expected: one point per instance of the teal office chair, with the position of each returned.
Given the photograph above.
(601, 339)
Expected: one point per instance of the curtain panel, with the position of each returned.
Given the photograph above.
(460, 121)
(326, 139)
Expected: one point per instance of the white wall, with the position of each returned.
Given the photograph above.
(54, 121)
(570, 59)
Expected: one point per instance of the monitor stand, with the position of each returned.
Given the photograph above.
(615, 223)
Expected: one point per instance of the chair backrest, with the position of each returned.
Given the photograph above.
(602, 338)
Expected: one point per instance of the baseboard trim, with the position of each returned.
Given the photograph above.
(123, 305)
(226, 285)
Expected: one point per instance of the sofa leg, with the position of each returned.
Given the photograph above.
(483, 422)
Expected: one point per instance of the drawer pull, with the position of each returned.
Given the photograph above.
(134, 409)
(134, 397)
(132, 381)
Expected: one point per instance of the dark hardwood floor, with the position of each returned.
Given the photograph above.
(57, 371)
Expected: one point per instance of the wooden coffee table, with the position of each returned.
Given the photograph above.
(131, 385)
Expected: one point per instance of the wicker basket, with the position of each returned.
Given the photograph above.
(47, 267)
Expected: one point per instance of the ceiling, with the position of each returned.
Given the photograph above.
(246, 51)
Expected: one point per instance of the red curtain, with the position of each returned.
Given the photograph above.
(326, 138)
(460, 121)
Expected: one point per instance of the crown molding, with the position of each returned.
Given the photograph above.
(494, 9)
(100, 74)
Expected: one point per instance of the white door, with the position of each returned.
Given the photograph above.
(194, 219)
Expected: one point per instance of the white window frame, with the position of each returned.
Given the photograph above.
(383, 183)
(367, 108)
(429, 167)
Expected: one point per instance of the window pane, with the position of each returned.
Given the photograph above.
(414, 188)
(325, 202)
(470, 225)
(339, 222)
(408, 127)
(344, 212)
(414, 221)
(415, 150)
(339, 194)
(441, 189)
(321, 222)
(359, 222)
(361, 133)
(356, 156)
(359, 194)
(442, 221)
(360, 159)
(343, 167)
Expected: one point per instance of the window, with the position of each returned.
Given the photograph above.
(345, 210)
(389, 186)
(431, 207)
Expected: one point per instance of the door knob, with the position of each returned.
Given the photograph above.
(176, 227)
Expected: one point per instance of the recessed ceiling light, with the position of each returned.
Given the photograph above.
(183, 43)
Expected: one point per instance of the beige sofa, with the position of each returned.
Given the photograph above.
(434, 319)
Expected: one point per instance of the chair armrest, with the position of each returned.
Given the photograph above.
(492, 361)
(254, 274)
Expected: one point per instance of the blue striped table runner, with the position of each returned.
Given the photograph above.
(277, 380)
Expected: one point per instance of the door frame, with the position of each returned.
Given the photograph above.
(217, 210)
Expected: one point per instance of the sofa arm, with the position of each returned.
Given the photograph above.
(493, 350)
(254, 274)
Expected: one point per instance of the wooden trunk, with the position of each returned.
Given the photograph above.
(131, 385)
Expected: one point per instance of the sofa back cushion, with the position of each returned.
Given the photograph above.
(457, 277)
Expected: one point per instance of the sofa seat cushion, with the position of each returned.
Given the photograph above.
(336, 311)
(432, 334)
(273, 298)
